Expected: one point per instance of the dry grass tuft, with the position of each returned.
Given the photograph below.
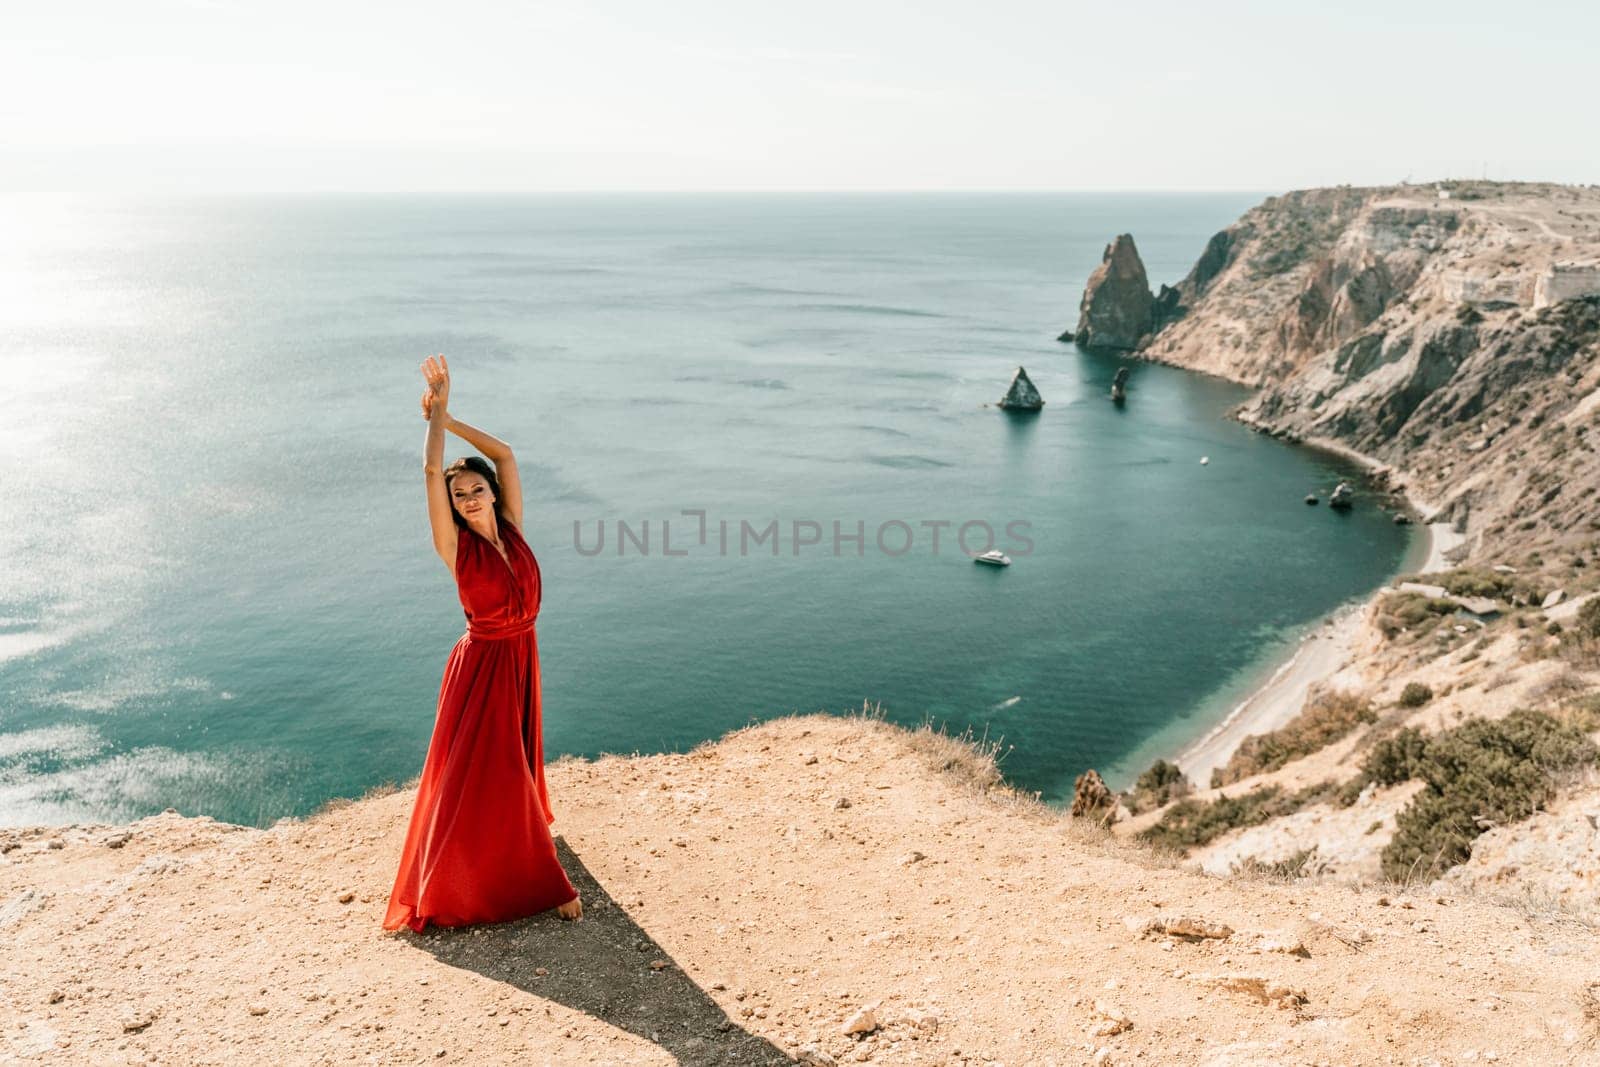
(1563, 686)
(382, 789)
(1503, 678)
(972, 762)
(1297, 867)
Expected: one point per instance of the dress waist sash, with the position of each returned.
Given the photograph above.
(479, 632)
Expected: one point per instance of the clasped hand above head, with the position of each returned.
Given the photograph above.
(436, 397)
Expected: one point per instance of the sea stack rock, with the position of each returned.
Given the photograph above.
(1117, 309)
(1022, 396)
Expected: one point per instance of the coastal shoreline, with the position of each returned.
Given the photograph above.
(1325, 650)
(1318, 657)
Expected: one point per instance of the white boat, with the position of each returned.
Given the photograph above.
(993, 556)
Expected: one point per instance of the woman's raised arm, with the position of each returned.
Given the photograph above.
(499, 453)
(434, 408)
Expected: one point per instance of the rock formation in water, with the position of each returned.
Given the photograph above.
(1022, 396)
(1117, 310)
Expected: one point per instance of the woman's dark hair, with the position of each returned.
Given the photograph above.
(477, 465)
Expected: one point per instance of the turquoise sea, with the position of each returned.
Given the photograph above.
(217, 589)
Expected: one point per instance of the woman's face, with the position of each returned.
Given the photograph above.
(469, 492)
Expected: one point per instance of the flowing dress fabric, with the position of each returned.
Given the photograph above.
(478, 848)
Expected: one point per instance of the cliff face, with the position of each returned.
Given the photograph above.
(1235, 300)
(1452, 335)
(1422, 332)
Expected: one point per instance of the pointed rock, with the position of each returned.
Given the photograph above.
(1117, 310)
(1091, 797)
(1022, 396)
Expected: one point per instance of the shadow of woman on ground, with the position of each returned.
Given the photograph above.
(607, 966)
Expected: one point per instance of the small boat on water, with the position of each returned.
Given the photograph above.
(994, 557)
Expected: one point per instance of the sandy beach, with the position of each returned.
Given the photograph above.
(1318, 657)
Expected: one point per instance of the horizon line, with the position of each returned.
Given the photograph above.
(775, 190)
(757, 191)
(637, 191)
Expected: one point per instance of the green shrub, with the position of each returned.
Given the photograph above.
(1475, 581)
(1324, 720)
(1479, 774)
(1438, 606)
(1395, 759)
(1578, 649)
(1190, 823)
(1193, 822)
(1588, 622)
(1582, 713)
(1415, 694)
(1159, 785)
(1350, 791)
(1412, 608)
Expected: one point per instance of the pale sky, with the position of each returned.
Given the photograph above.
(230, 95)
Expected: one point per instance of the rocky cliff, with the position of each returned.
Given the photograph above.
(1420, 331)
(1449, 336)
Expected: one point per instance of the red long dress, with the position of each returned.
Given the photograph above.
(479, 847)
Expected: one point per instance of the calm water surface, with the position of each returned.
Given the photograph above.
(217, 589)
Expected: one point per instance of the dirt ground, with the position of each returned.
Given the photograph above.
(747, 903)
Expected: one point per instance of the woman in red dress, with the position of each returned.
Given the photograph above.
(478, 848)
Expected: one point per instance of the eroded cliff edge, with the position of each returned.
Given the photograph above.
(816, 888)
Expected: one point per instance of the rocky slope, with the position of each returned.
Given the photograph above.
(1449, 336)
(816, 889)
(1421, 332)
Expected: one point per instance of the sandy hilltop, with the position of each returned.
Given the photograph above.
(1389, 855)
(755, 901)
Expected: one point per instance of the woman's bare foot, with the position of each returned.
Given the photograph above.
(572, 909)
